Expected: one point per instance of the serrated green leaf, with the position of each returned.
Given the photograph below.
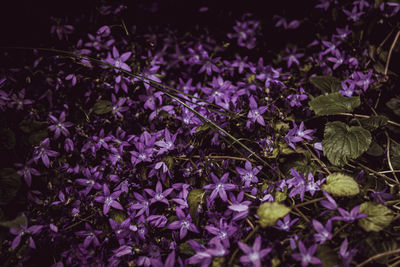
(280, 196)
(16, 223)
(334, 103)
(374, 122)
(327, 84)
(341, 185)
(10, 182)
(342, 142)
(379, 216)
(102, 107)
(195, 200)
(270, 212)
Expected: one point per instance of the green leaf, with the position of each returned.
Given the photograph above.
(334, 103)
(375, 150)
(7, 139)
(195, 201)
(203, 127)
(327, 84)
(394, 105)
(395, 154)
(10, 182)
(102, 107)
(270, 212)
(341, 185)
(379, 216)
(342, 142)
(16, 223)
(374, 122)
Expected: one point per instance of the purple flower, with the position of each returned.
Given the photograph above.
(239, 206)
(292, 56)
(158, 221)
(23, 230)
(90, 236)
(248, 174)
(312, 186)
(349, 216)
(298, 134)
(43, 152)
(142, 205)
(204, 255)
(219, 187)
(121, 231)
(295, 100)
(353, 15)
(59, 125)
(19, 100)
(346, 255)
(222, 233)
(306, 255)
(323, 233)
(118, 60)
(347, 88)
(338, 58)
(109, 199)
(167, 144)
(159, 195)
(184, 224)
(297, 183)
(330, 204)
(255, 113)
(27, 171)
(363, 80)
(286, 223)
(90, 180)
(254, 254)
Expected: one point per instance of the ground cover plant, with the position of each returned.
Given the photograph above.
(167, 147)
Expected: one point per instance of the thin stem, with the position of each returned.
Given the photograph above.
(390, 53)
(301, 214)
(320, 162)
(77, 223)
(377, 256)
(366, 117)
(388, 156)
(213, 157)
(307, 202)
(375, 172)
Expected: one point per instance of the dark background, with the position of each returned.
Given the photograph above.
(27, 22)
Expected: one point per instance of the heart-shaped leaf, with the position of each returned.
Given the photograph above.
(270, 212)
(379, 216)
(342, 142)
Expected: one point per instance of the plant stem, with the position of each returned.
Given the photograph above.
(308, 202)
(318, 160)
(377, 256)
(375, 172)
(366, 117)
(390, 52)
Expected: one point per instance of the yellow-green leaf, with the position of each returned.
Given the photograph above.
(270, 212)
(341, 185)
(379, 216)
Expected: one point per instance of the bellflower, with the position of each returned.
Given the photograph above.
(109, 199)
(184, 224)
(222, 233)
(254, 254)
(255, 113)
(219, 187)
(306, 255)
(286, 223)
(349, 216)
(23, 230)
(159, 195)
(118, 60)
(248, 174)
(43, 152)
(59, 125)
(345, 254)
(323, 233)
(90, 235)
(27, 171)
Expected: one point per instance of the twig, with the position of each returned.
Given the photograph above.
(377, 256)
(366, 117)
(213, 157)
(390, 52)
(388, 156)
(308, 202)
(81, 221)
(375, 172)
(301, 214)
(320, 162)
